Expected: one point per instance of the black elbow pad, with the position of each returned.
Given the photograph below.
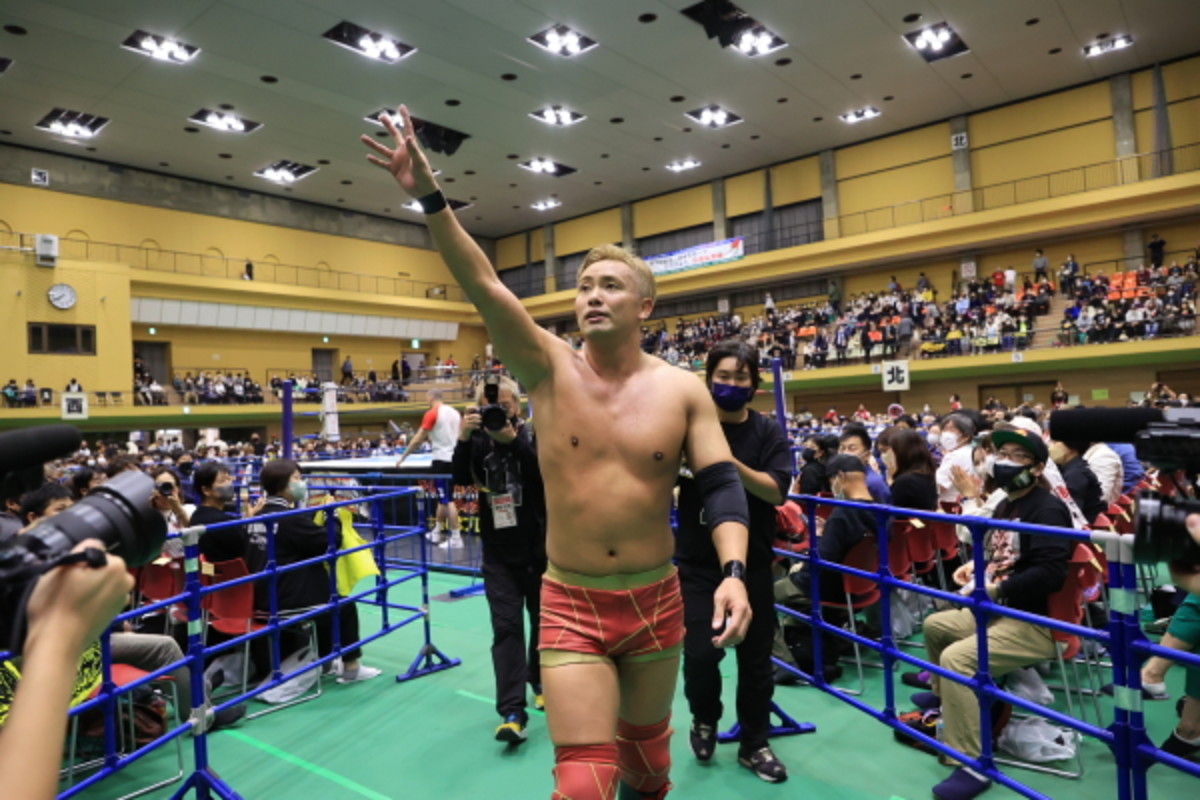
(724, 497)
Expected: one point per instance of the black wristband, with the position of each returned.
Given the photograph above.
(734, 569)
(432, 202)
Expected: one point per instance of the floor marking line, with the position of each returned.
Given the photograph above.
(329, 775)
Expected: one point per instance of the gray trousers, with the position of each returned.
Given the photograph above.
(151, 652)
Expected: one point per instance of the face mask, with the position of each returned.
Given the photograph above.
(947, 441)
(985, 468)
(889, 460)
(1011, 476)
(299, 492)
(1058, 453)
(731, 398)
(808, 454)
(225, 493)
(91, 462)
(185, 467)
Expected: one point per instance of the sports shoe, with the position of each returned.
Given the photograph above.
(917, 680)
(963, 784)
(455, 541)
(227, 717)
(436, 536)
(703, 739)
(539, 701)
(363, 673)
(921, 721)
(512, 730)
(763, 763)
(925, 700)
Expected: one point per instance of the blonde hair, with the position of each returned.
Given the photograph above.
(611, 252)
(506, 383)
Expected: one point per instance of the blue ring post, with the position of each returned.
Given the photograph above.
(286, 432)
(787, 726)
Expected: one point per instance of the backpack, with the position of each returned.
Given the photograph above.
(149, 721)
(791, 529)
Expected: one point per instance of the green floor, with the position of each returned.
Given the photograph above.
(432, 739)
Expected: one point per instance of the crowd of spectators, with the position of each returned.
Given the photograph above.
(206, 388)
(1143, 303)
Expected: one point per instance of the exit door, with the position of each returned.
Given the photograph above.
(323, 360)
(156, 359)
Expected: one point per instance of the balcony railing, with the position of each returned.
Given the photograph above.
(1103, 175)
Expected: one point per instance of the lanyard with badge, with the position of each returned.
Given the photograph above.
(503, 487)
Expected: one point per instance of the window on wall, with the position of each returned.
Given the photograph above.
(674, 240)
(46, 338)
(799, 223)
(525, 281)
(565, 269)
(753, 230)
(690, 305)
(794, 290)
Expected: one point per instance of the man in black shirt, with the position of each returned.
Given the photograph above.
(1082, 483)
(512, 522)
(762, 455)
(1023, 571)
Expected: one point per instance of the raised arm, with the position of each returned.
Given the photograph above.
(522, 344)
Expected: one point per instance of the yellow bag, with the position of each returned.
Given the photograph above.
(352, 567)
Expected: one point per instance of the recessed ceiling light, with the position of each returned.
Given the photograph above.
(604, 155)
(1108, 45)
(678, 98)
(268, 79)
(714, 117)
(455, 205)
(160, 48)
(658, 138)
(936, 42)
(469, 172)
(782, 100)
(285, 172)
(226, 106)
(1033, 21)
(911, 18)
(887, 98)
(782, 62)
(967, 76)
(323, 162)
(617, 120)
(347, 183)
(684, 165)
(190, 129)
(545, 205)
(562, 41)
(647, 18)
(5, 63)
(224, 155)
(225, 122)
(15, 30)
(854, 117)
(508, 76)
(452, 102)
(546, 166)
(73, 124)
(755, 137)
(1054, 51)
(856, 76)
(759, 41)
(818, 119)
(371, 44)
(164, 164)
(559, 116)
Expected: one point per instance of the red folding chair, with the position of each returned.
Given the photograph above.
(159, 580)
(859, 594)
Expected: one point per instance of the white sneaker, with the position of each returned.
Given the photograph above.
(455, 541)
(364, 673)
(435, 536)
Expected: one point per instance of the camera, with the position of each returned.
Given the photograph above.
(166, 488)
(492, 414)
(118, 513)
(1170, 440)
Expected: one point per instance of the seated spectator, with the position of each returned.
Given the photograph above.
(1023, 571)
(1081, 481)
(168, 500)
(30, 394)
(910, 467)
(955, 443)
(298, 538)
(813, 478)
(855, 441)
(73, 386)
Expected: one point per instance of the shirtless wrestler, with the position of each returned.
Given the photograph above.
(612, 426)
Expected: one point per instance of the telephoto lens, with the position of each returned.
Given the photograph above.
(1161, 534)
(117, 512)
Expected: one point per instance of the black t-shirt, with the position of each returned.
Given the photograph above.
(219, 545)
(845, 528)
(511, 469)
(915, 490)
(1084, 488)
(760, 445)
(1042, 566)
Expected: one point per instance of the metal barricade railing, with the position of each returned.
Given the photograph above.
(1126, 735)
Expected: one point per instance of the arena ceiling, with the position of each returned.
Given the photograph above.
(650, 66)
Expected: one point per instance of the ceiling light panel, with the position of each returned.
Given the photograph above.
(936, 42)
(759, 41)
(74, 124)
(160, 48)
(285, 172)
(372, 44)
(5, 63)
(714, 117)
(455, 205)
(562, 41)
(684, 165)
(546, 166)
(225, 121)
(860, 115)
(557, 116)
(1108, 46)
(545, 205)
(433, 137)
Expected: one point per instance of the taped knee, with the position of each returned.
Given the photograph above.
(645, 755)
(585, 772)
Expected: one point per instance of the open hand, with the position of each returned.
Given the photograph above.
(406, 162)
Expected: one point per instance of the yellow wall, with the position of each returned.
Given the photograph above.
(926, 179)
(1181, 79)
(103, 301)
(584, 233)
(894, 151)
(510, 251)
(673, 211)
(32, 210)
(1048, 113)
(744, 194)
(1094, 249)
(796, 181)
(537, 245)
(470, 343)
(1185, 121)
(1042, 154)
(939, 272)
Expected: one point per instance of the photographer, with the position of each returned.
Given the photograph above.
(502, 462)
(68, 610)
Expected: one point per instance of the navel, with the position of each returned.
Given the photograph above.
(658, 455)
(574, 441)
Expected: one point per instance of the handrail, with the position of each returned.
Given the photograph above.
(213, 266)
(1101, 175)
